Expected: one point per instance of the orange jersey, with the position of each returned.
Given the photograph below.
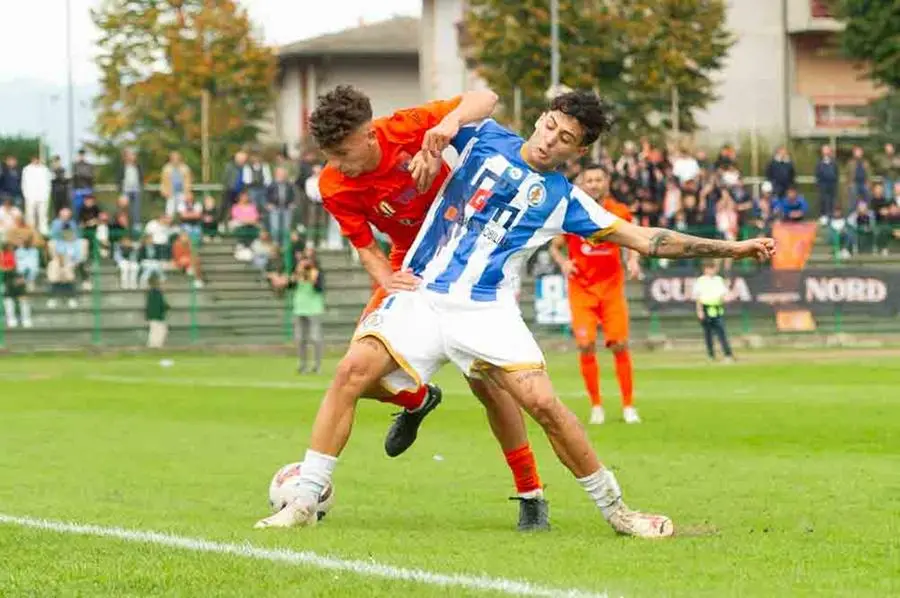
(598, 264)
(386, 197)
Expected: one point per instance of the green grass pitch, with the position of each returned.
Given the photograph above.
(782, 474)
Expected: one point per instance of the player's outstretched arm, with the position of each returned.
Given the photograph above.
(562, 260)
(378, 266)
(473, 107)
(661, 242)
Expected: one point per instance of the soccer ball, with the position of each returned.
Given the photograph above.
(284, 486)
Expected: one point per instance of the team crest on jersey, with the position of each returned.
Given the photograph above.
(515, 173)
(536, 195)
(372, 321)
(386, 209)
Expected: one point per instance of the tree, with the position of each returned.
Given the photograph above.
(872, 36)
(22, 147)
(634, 51)
(158, 57)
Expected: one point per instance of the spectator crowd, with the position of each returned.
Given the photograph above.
(682, 189)
(54, 231)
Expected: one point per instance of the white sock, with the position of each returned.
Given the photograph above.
(604, 491)
(315, 473)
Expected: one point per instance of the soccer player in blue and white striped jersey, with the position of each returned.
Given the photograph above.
(504, 199)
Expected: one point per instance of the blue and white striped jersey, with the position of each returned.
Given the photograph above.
(492, 213)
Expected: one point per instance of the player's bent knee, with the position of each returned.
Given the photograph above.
(618, 346)
(544, 408)
(587, 348)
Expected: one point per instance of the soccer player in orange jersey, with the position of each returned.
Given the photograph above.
(385, 173)
(597, 298)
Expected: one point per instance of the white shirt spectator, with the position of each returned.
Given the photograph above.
(685, 168)
(312, 188)
(36, 180)
(159, 232)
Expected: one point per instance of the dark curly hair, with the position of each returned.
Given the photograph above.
(593, 113)
(339, 113)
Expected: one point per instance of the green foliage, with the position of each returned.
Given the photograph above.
(156, 59)
(20, 146)
(633, 51)
(872, 35)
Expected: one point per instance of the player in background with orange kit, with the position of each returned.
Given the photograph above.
(386, 173)
(596, 288)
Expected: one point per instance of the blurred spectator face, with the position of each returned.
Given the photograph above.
(240, 158)
(861, 207)
(857, 152)
(889, 149)
(122, 219)
(595, 183)
(11, 161)
(700, 156)
(122, 202)
(265, 237)
(147, 240)
(689, 201)
(175, 158)
(836, 214)
(878, 190)
(781, 153)
(766, 188)
(244, 198)
(35, 159)
(629, 148)
(710, 268)
(90, 201)
(310, 253)
(827, 151)
(104, 217)
(65, 214)
(130, 157)
(209, 202)
(81, 156)
(7, 203)
(792, 193)
(280, 175)
(56, 162)
(897, 190)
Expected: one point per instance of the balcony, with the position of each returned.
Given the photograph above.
(805, 16)
(828, 115)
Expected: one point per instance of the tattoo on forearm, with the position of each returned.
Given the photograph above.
(667, 243)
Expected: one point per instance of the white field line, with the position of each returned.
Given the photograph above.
(306, 559)
(209, 382)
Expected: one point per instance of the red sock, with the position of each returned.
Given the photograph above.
(623, 373)
(524, 469)
(590, 371)
(409, 399)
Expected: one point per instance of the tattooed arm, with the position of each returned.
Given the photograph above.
(664, 243)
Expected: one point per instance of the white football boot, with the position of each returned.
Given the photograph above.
(597, 416)
(299, 512)
(631, 416)
(641, 525)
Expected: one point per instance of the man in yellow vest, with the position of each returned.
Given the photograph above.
(710, 292)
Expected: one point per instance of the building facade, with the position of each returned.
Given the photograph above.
(783, 76)
(381, 59)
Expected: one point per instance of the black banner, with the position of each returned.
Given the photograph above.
(818, 290)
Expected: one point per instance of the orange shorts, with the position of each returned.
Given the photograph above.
(599, 306)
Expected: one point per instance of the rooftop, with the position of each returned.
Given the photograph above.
(398, 36)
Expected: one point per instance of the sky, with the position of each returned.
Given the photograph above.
(34, 31)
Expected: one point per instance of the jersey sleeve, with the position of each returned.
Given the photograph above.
(585, 218)
(466, 133)
(412, 124)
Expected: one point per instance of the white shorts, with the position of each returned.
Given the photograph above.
(423, 330)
